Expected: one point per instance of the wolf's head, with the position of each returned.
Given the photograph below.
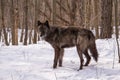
(43, 28)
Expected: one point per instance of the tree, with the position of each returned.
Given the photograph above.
(26, 25)
(3, 23)
(54, 12)
(119, 12)
(22, 18)
(14, 21)
(30, 19)
(82, 12)
(73, 12)
(106, 19)
(35, 24)
(0, 22)
(116, 18)
(116, 26)
(96, 17)
(87, 13)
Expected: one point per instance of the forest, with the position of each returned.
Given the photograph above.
(25, 56)
(102, 16)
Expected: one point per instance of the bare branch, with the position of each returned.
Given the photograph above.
(45, 15)
(63, 8)
(62, 19)
(48, 5)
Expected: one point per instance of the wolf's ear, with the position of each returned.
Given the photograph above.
(47, 24)
(38, 23)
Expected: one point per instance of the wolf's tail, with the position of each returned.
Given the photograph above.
(92, 46)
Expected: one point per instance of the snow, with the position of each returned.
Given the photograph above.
(34, 62)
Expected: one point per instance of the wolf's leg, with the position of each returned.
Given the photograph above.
(87, 56)
(79, 50)
(56, 56)
(61, 56)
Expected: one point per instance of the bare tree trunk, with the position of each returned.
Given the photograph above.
(31, 18)
(3, 23)
(0, 22)
(14, 22)
(96, 17)
(22, 33)
(54, 12)
(73, 12)
(87, 13)
(116, 18)
(106, 19)
(30, 36)
(119, 12)
(21, 18)
(26, 25)
(35, 25)
(116, 26)
(82, 12)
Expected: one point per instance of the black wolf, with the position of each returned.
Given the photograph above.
(61, 38)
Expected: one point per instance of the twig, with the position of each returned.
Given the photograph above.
(97, 72)
(48, 5)
(43, 13)
(55, 76)
(114, 57)
(62, 19)
(118, 49)
(63, 8)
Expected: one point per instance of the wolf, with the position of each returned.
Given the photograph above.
(61, 38)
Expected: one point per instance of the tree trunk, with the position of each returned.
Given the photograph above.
(116, 27)
(54, 12)
(30, 36)
(73, 12)
(119, 12)
(14, 8)
(87, 13)
(30, 19)
(96, 17)
(106, 19)
(21, 18)
(3, 23)
(35, 24)
(116, 18)
(82, 12)
(0, 22)
(26, 25)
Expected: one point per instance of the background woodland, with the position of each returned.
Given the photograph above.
(102, 16)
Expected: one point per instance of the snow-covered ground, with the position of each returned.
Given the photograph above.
(34, 62)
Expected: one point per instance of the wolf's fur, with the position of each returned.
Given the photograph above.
(61, 38)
